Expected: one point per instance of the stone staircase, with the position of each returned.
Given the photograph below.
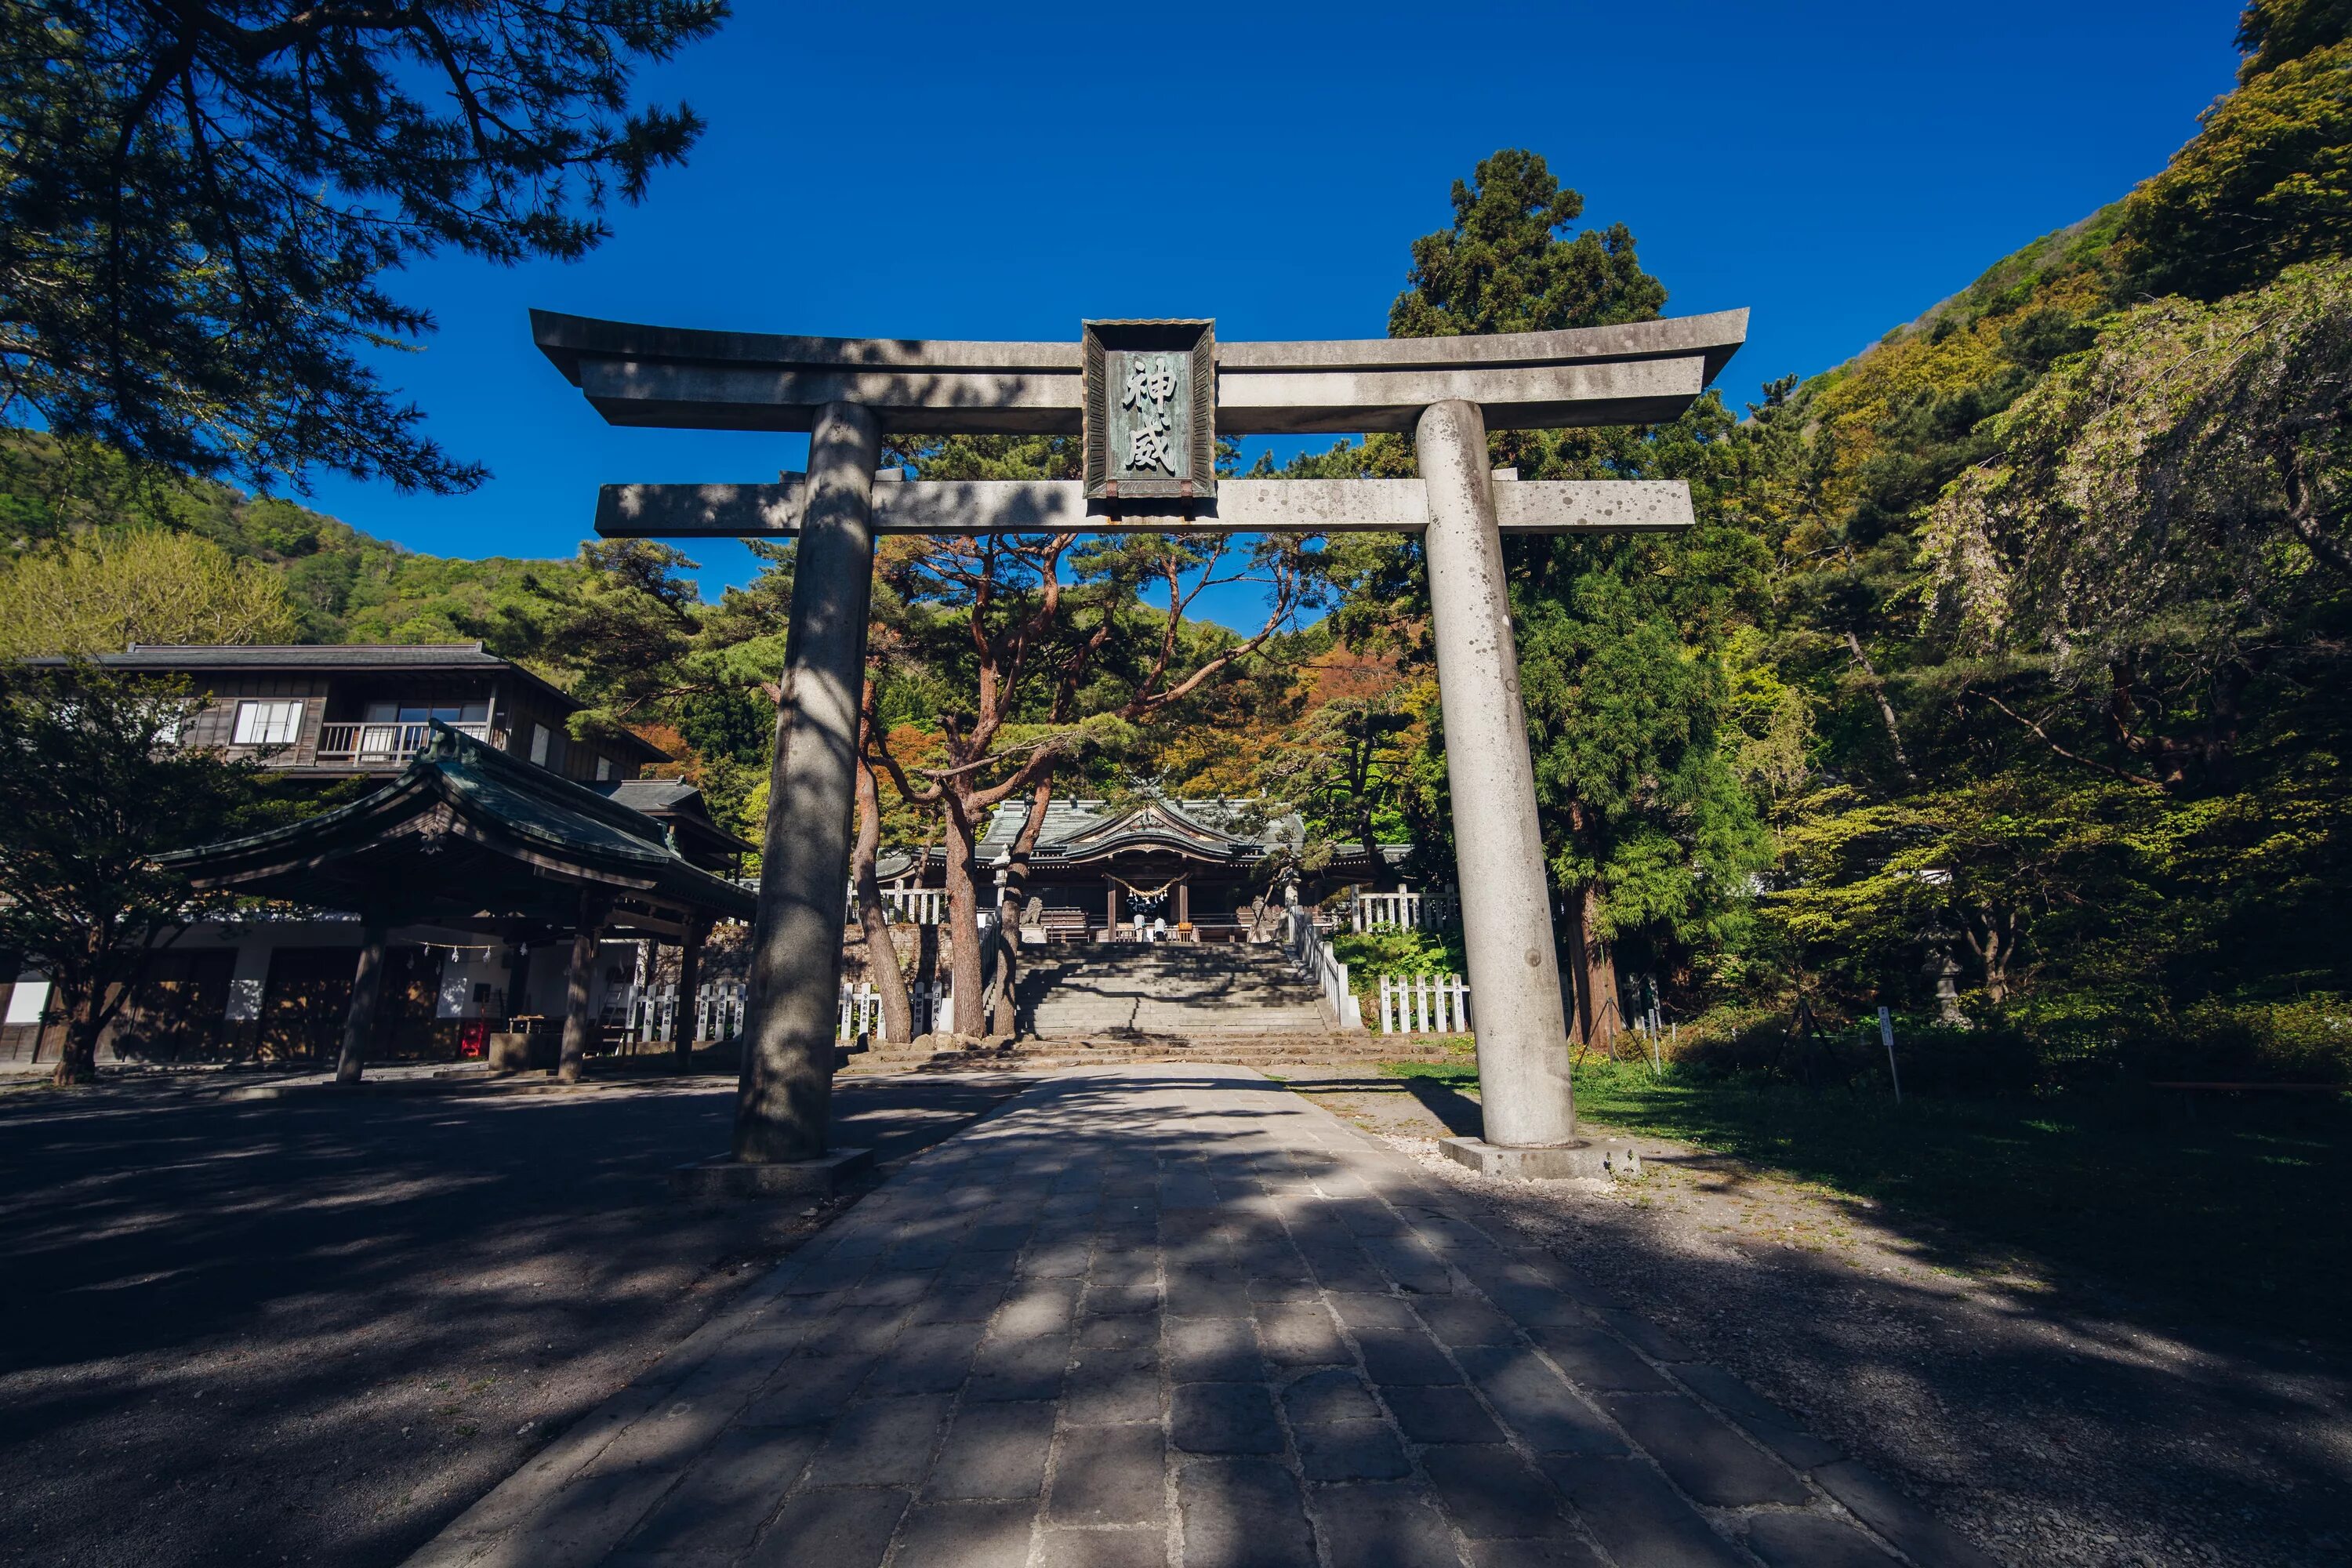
(1109, 1006)
(1167, 989)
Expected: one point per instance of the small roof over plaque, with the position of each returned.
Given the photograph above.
(1150, 410)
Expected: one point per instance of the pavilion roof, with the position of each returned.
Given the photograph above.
(469, 835)
(680, 807)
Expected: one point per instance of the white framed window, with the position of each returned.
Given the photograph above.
(25, 1002)
(538, 738)
(604, 769)
(268, 723)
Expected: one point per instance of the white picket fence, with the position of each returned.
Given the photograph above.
(905, 906)
(1401, 910)
(1424, 1005)
(861, 1013)
(1313, 958)
(718, 1016)
(651, 1012)
(932, 1002)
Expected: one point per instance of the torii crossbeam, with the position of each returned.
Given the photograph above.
(1148, 397)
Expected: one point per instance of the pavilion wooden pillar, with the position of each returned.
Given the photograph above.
(367, 989)
(689, 980)
(576, 985)
(1185, 904)
(1110, 909)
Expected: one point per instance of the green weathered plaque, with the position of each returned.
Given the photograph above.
(1151, 410)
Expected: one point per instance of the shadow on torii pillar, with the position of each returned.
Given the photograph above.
(1149, 398)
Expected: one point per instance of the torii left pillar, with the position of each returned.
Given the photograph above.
(786, 1093)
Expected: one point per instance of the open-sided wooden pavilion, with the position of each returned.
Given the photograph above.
(469, 838)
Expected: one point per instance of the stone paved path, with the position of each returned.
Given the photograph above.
(1178, 1316)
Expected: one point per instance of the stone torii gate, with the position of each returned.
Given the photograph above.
(1149, 398)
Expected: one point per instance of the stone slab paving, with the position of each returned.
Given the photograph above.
(1177, 1316)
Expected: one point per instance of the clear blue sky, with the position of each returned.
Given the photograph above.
(962, 171)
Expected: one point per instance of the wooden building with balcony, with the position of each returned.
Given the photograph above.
(343, 710)
(274, 981)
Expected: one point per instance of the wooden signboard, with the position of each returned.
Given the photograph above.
(1150, 410)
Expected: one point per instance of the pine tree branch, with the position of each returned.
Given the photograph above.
(2076, 757)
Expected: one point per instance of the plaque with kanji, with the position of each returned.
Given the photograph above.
(1150, 410)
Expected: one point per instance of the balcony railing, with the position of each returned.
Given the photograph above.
(389, 743)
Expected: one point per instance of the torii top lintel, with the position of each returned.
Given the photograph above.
(690, 378)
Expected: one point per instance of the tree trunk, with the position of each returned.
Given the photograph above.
(1993, 949)
(359, 1020)
(1579, 984)
(1008, 914)
(1596, 971)
(1003, 1018)
(77, 1053)
(881, 953)
(963, 917)
(1885, 710)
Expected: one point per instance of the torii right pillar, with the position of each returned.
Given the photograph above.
(1518, 1022)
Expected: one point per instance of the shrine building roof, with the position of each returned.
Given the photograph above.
(466, 834)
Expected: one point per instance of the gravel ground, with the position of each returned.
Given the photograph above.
(309, 1331)
(2052, 1420)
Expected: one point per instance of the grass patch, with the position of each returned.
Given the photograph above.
(2232, 1208)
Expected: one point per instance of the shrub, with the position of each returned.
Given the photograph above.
(1749, 1040)
(2307, 1040)
(1369, 954)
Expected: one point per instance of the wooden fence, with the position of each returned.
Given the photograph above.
(1424, 1005)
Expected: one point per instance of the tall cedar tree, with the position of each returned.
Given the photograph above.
(199, 200)
(1646, 826)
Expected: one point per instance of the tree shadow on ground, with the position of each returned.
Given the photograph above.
(2038, 1424)
(310, 1327)
(2010, 1386)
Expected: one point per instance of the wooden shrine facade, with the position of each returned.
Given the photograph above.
(1164, 870)
(501, 859)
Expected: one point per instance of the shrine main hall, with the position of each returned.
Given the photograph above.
(1153, 871)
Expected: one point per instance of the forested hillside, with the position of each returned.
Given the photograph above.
(339, 585)
(2011, 653)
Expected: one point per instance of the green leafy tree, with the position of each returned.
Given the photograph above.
(1503, 268)
(2018, 866)
(2165, 525)
(1649, 830)
(145, 585)
(623, 632)
(2273, 32)
(92, 786)
(201, 201)
(2267, 180)
(1349, 765)
(1030, 649)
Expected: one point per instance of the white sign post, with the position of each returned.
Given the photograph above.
(1886, 1036)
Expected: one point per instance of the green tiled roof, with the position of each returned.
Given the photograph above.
(550, 836)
